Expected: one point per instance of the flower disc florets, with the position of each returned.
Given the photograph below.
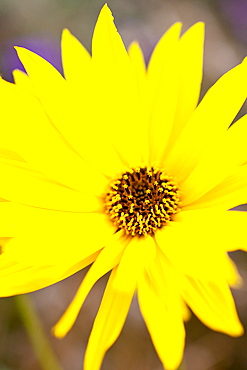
(142, 200)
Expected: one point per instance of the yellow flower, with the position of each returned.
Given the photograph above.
(116, 165)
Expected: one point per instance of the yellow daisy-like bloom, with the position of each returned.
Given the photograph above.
(116, 165)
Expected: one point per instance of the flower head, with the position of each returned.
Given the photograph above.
(118, 166)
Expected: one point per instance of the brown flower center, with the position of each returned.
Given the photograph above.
(142, 200)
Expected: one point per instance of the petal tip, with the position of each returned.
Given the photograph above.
(106, 11)
(237, 331)
(66, 36)
(176, 27)
(22, 52)
(199, 24)
(134, 46)
(197, 29)
(66, 32)
(57, 331)
(18, 48)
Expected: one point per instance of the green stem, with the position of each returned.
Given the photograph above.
(40, 343)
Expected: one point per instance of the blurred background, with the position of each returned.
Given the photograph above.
(37, 25)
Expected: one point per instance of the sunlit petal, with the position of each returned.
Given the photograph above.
(108, 324)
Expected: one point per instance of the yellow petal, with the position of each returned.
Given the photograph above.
(107, 325)
(107, 259)
(190, 71)
(39, 143)
(139, 253)
(22, 184)
(71, 109)
(9, 154)
(163, 87)
(137, 59)
(229, 193)
(160, 304)
(231, 227)
(20, 278)
(75, 59)
(117, 93)
(107, 45)
(23, 81)
(208, 122)
(222, 231)
(196, 244)
(213, 304)
(218, 162)
(46, 237)
(7, 225)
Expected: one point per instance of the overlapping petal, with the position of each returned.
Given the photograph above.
(190, 70)
(217, 162)
(163, 88)
(22, 80)
(137, 256)
(108, 323)
(139, 66)
(47, 237)
(117, 94)
(39, 143)
(161, 307)
(214, 305)
(62, 103)
(228, 194)
(22, 184)
(107, 259)
(15, 277)
(76, 60)
(191, 248)
(209, 122)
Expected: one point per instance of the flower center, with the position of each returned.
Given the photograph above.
(142, 200)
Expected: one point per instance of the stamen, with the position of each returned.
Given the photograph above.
(142, 200)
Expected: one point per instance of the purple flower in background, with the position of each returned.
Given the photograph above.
(46, 48)
(235, 12)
